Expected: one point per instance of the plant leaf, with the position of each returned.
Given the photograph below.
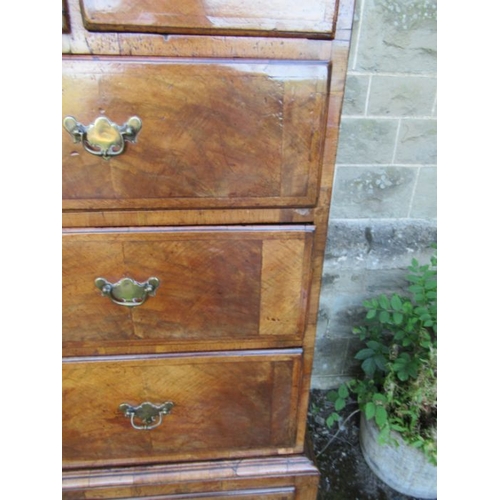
(340, 404)
(332, 396)
(379, 397)
(369, 366)
(397, 318)
(364, 354)
(384, 317)
(384, 302)
(370, 410)
(343, 391)
(380, 416)
(334, 417)
(398, 428)
(396, 302)
(380, 361)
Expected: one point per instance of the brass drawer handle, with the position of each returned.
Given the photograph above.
(103, 137)
(128, 292)
(150, 414)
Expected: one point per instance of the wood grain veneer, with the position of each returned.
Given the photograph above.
(270, 17)
(293, 475)
(227, 133)
(218, 285)
(227, 191)
(227, 404)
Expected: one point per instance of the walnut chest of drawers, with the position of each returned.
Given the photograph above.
(198, 142)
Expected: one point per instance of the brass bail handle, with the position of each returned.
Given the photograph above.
(128, 292)
(151, 415)
(103, 137)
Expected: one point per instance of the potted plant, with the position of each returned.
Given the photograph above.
(397, 391)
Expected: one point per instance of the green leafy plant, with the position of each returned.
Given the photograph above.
(398, 388)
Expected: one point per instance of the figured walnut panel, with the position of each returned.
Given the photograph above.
(215, 134)
(217, 285)
(225, 405)
(264, 17)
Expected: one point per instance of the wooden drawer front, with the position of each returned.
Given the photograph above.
(219, 288)
(312, 18)
(292, 476)
(285, 493)
(253, 494)
(214, 134)
(225, 405)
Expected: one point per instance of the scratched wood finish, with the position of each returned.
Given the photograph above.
(81, 41)
(227, 404)
(217, 285)
(201, 217)
(257, 46)
(226, 133)
(314, 18)
(293, 475)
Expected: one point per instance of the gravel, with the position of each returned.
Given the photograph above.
(344, 472)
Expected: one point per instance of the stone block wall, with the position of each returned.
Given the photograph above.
(383, 209)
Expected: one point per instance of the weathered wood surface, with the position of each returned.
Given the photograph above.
(306, 166)
(226, 133)
(81, 41)
(230, 478)
(217, 286)
(314, 18)
(226, 404)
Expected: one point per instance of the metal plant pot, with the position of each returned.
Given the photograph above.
(403, 468)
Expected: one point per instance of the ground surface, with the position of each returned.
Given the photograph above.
(344, 472)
